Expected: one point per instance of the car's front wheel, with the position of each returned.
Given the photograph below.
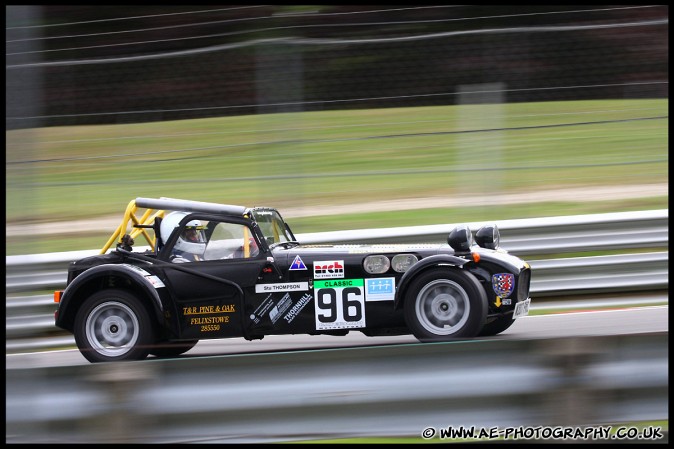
(113, 325)
(444, 304)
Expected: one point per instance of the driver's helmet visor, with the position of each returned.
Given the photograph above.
(194, 234)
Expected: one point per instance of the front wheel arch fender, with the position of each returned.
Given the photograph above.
(88, 282)
(421, 266)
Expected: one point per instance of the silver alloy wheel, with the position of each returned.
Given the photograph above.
(112, 329)
(442, 307)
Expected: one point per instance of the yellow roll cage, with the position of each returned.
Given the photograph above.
(130, 215)
(152, 211)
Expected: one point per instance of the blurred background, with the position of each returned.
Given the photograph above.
(341, 116)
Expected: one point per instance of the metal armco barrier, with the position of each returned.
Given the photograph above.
(360, 392)
(600, 274)
(523, 237)
(532, 236)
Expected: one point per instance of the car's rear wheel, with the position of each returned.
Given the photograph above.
(167, 349)
(444, 304)
(113, 325)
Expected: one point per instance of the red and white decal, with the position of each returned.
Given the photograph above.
(328, 269)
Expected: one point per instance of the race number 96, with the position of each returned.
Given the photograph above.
(340, 304)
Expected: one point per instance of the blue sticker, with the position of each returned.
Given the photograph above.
(298, 264)
(381, 289)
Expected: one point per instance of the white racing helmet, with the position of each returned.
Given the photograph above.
(191, 240)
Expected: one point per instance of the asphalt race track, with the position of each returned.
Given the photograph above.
(559, 325)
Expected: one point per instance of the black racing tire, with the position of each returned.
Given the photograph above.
(113, 325)
(168, 349)
(444, 304)
(497, 326)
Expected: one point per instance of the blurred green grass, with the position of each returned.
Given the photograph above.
(309, 159)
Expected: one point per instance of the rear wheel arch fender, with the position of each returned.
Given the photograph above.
(101, 278)
(428, 263)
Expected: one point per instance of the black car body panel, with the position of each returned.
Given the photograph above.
(271, 284)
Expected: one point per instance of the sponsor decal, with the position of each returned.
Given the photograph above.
(280, 308)
(340, 283)
(381, 289)
(339, 304)
(135, 268)
(262, 309)
(208, 310)
(297, 264)
(328, 269)
(212, 323)
(155, 281)
(281, 287)
(503, 284)
(297, 308)
(151, 278)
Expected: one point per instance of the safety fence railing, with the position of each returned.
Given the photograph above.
(539, 389)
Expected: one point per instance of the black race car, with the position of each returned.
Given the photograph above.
(219, 271)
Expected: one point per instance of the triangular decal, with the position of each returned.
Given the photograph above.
(298, 264)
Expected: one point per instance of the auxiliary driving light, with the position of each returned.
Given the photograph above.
(488, 236)
(460, 239)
